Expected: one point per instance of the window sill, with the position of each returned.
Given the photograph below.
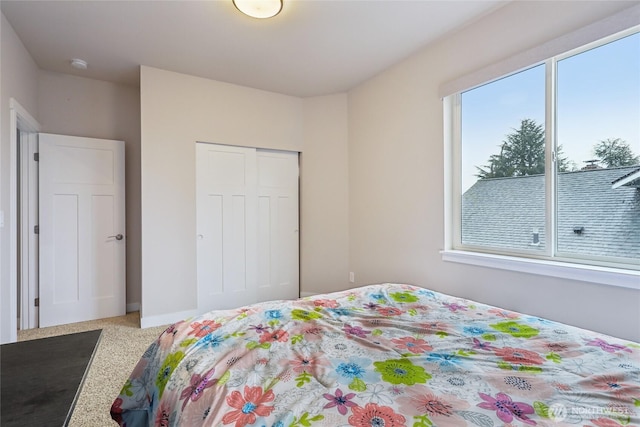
(585, 273)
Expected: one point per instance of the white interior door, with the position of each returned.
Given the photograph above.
(82, 226)
(278, 242)
(226, 226)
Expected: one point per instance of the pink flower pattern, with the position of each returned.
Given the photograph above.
(328, 303)
(506, 314)
(389, 311)
(309, 363)
(609, 348)
(374, 415)
(605, 422)
(415, 346)
(340, 401)
(506, 409)
(519, 356)
(355, 331)
(615, 386)
(275, 336)
(248, 407)
(199, 383)
(454, 306)
(200, 329)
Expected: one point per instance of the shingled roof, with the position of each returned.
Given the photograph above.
(595, 216)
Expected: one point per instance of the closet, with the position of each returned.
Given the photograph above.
(247, 225)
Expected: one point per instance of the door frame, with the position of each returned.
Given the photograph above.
(28, 280)
(19, 120)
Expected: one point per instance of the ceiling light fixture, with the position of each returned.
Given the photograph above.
(79, 64)
(260, 9)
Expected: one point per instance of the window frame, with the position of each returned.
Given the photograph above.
(606, 270)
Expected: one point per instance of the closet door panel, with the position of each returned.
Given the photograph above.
(226, 217)
(278, 242)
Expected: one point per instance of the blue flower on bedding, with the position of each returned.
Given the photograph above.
(426, 293)
(278, 423)
(340, 311)
(447, 362)
(473, 330)
(350, 370)
(211, 340)
(355, 371)
(273, 314)
(378, 296)
(534, 319)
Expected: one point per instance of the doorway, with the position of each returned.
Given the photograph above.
(23, 130)
(86, 164)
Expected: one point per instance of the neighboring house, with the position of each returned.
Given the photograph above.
(598, 212)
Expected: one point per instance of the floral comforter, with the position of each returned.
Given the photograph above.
(382, 355)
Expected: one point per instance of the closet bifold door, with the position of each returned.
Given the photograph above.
(226, 226)
(278, 241)
(247, 226)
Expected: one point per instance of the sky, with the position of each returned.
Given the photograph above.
(598, 97)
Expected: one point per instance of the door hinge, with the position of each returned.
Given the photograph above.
(36, 157)
(36, 302)
(36, 229)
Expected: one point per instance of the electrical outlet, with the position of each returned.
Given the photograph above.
(352, 277)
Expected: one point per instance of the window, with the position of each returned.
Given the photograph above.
(499, 212)
(547, 160)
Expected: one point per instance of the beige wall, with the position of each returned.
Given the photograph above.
(324, 211)
(396, 174)
(371, 169)
(77, 106)
(19, 80)
(177, 111)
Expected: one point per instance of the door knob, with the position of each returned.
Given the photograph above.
(117, 236)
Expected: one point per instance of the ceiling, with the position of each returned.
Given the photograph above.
(313, 47)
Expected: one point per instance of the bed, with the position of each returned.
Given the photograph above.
(381, 355)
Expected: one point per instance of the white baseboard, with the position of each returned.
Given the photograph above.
(134, 306)
(166, 319)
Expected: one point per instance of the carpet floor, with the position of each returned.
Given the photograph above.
(121, 345)
(41, 378)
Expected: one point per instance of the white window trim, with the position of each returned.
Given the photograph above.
(551, 263)
(616, 23)
(562, 270)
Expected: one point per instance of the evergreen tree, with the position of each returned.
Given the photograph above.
(521, 153)
(615, 152)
